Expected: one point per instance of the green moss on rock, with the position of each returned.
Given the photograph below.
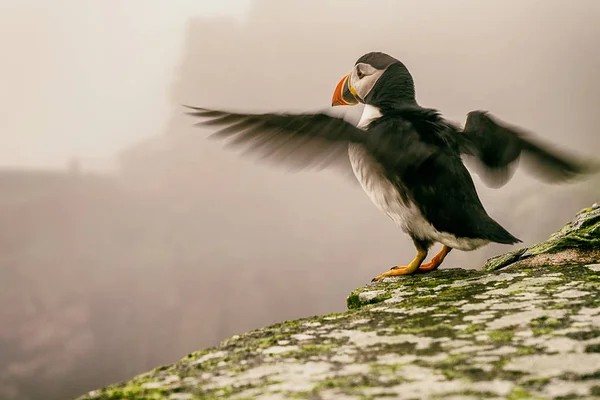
(578, 241)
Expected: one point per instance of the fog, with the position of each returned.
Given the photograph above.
(129, 240)
(86, 78)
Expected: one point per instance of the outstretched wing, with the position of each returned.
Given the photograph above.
(295, 140)
(498, 148)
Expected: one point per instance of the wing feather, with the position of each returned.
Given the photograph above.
(498, 149)
(299, 141)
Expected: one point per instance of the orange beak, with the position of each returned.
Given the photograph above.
(344, 94)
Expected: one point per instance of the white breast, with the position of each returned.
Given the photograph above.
(388, 199)
(372, 178)
(380, 190)
(370, 113)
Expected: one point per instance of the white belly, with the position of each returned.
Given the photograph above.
(384, 194)
(389, 200)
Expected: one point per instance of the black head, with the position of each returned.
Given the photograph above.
(377, 79)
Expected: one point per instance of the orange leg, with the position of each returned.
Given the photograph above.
(436, 261)
(409, 269)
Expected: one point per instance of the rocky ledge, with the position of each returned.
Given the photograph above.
(527, 326)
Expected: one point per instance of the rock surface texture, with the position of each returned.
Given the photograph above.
(527, 326)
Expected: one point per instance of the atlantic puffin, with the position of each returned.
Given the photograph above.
(407, 158)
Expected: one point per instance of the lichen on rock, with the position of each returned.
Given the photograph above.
(522, 330)
(578, 242)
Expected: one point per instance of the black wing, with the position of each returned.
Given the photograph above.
(296, 140)
(498, 148)
(314, 140)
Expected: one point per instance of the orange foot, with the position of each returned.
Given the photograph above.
(404, 270)
(436, 261)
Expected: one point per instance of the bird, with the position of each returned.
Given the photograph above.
(408, 159)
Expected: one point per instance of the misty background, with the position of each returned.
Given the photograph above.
(128, 240)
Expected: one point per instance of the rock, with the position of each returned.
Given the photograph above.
(578, 242)
(526, 327)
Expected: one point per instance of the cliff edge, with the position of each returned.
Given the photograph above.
(526, 326)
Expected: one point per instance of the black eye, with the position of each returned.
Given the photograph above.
(359, 73)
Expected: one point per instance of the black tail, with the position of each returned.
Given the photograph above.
(496, 233)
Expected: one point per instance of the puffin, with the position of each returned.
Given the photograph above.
(410, 161)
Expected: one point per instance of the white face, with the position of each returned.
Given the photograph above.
(363, 77)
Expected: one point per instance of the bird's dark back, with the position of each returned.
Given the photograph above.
(414, 133)
(419, 152)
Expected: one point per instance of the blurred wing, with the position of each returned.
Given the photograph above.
(296, 140)
(497, 149)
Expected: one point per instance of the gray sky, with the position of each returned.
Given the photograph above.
(88, 77)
